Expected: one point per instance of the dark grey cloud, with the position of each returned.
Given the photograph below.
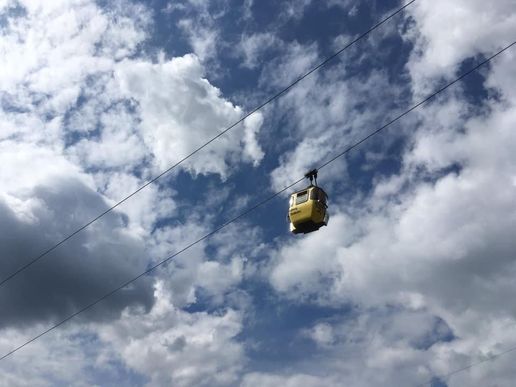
(84, 268)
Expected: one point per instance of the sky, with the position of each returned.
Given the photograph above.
(412, 279)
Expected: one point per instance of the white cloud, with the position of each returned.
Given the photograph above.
(179, 348)
(247, 7)
(252, 149)
(256, 379)
(303, 267)
(252, 46)
(145, 209)
(428, 253)
(218, 273)
(201, 27)
(446, 246)
(295, 61)
(59, 62)
(447, 33)
(390, 346)
(216, 277)
(203, 39)
(76, 134)
(181, 110)
(429, 239)
(53, 49)
(120, 133)
(46, 358)
(322, 334)
(326, 114)
(294, 9)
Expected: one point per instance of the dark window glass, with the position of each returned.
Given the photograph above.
(301, 197)
(318, 194)
(322, 197)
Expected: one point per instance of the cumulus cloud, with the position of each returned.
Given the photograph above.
(72, 347)
(445, 34)
(436, 237)
(416, 270)
(174, 347)
(448, 247)
(44, 198)
(165, 346)
(83, 125)
(101, 259)
(252, 148)
(213, 277)
(198, 21)
(49, 52)
(252, 46)
(204, 40)
(364, 348)
(294, 9)
(58, 74)
(326, 115)
(180, 111)
(270, 380)
(322, 334)
(84, 121)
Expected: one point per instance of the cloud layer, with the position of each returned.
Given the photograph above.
(412, 278)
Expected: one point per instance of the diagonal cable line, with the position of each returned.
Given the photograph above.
(259, 204)
(153, 180)
(448, 376)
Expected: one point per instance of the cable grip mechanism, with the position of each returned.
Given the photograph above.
(312, 175)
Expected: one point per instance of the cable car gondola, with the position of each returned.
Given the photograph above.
(308, 208)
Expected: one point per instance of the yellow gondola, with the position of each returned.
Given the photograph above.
(308, 208)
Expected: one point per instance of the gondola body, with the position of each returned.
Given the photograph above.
(308, 210)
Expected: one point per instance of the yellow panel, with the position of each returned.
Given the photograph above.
(301, 213)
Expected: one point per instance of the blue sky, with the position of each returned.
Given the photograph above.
(411, 279)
